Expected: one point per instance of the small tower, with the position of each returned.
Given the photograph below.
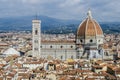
(36, 37)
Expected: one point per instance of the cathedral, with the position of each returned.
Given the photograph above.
(88, 43)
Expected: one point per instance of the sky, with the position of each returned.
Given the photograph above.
(102, 10)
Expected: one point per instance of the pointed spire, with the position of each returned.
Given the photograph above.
(89, 14)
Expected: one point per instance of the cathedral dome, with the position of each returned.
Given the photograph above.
(89, 31)
(89, 27)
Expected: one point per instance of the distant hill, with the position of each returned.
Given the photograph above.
(25, 23)
(51, 25)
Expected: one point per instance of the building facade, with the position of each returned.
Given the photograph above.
(58, 49)
(87, 45)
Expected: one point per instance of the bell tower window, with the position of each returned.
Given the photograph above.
(61, 57)
(36, 32)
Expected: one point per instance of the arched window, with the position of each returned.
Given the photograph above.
(36, 41)
(36, 32)
(99, 51)
(40, 46)
(61, 57)
(50, 46)
(71, 57)
(36, 49)
(78, 57)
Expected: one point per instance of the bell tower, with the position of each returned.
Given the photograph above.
(36, 38)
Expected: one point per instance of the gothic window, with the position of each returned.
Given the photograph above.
(98, 40)
(36, 41)
(36, 32)
(71, 57)
(36, 49)
(99, 51)
(61, 57)
(106, 53)
(50, 46)
(94, 55)
(40, 46)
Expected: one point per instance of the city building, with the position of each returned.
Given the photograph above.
(88, 43)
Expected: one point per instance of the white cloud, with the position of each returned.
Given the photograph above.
(65, 9)
(69, 3)
(30, 1)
